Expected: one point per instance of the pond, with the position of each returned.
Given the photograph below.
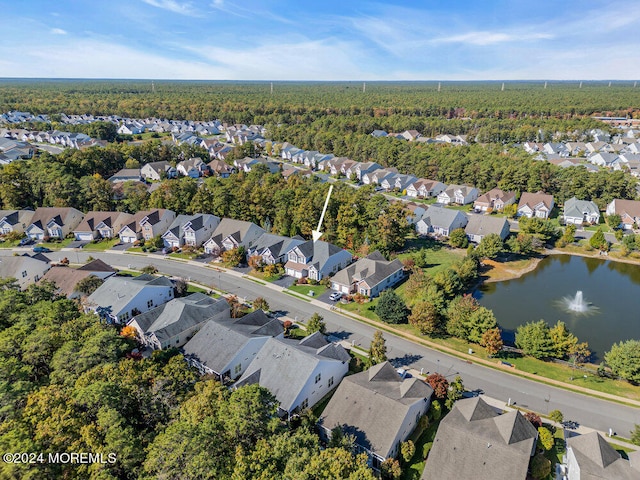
(605, 312)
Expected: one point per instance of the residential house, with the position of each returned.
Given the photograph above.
(119, 299)
(25, 269)
(578, 212)
(378, 133)
(316, 260)
(590, 456)
(535, 205)
(416, 211)
(556, 149)
(459, 194)
(368, 276)
(411, 135)
(298, 373)
(156, 222)
(96, 225)
(226, 347)
(273, 248)
(53, 222)
(158, 171)
(378, 176)
(230, 234)
(402, 182)
(452, 139)
(494, 200)
(366, 167)
(194, 168)
(131, 230)
(221, 168)
(126, 175)
(173, 323)
(15, 221)
(474, 441)
(604, 159)
(66, 279)
(192, 230)
(380, 410)
(441, 221)
(480, 226)
(130, 129)
(629, 211)
(425, 188)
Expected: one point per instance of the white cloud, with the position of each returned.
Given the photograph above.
(58, 31)
(491, 38)
(183, 8)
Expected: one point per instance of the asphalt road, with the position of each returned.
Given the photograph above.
(586, 410)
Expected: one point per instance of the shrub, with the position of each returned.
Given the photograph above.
(426, 449)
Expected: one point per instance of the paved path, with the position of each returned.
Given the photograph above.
(594, 412)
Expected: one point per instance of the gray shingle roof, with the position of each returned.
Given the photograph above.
(598, 460)
(277, 244)
(284, 367)
(117, 292)
(180, 314)
(373, 405)
(319, 251)
(372, 269)
(485, 224)
(219, 341)
(441, 217)
(577, 208)
(473, 441)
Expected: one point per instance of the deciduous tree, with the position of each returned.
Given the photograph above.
(378, 348)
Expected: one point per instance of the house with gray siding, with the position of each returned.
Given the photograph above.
(368, 276)
(440, 221)
(578, 212)
(316, 260)
(480, 226)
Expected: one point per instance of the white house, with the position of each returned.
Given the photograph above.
(441, 221)
(578, 212)
(15, 220)
(192, 230)
(24, 268)
(298, 373)
(380, 409)
(629, 211)
(460, 194)
(173, 323)
(101, 225)
(231, 234)
(480, 226)
(368, 276)
(316, 260)
(226, 347)
(194, 167)
(535, 205)
(119, 299)
(53, 222)
(425, 188)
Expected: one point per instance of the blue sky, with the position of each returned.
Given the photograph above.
(327, 40)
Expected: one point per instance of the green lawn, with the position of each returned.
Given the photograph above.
(413, 469)
(304, 289)
(57, 245)
(262, 276)
(9, 244)
(297, 333)
(102, 245)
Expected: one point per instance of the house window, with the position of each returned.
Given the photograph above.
(330, 383)
(305, 404)
(318, 377)
(237, 369)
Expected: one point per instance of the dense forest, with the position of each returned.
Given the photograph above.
(71, 384)
(301, 102)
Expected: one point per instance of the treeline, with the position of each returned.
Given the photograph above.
(294, 102)
(71, 384)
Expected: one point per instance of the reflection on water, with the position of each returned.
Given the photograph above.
(609, 295)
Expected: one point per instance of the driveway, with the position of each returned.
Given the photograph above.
(77, 244)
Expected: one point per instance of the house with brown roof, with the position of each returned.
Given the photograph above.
(629, 211)
(26, 269)
(495, 199)
(221, 168)
(474, 441)
(459, 194)
(53, 222)
(14, 221)
(379, 408)
(425, 188)
(101, 225)
(537, 204)
(66, 278)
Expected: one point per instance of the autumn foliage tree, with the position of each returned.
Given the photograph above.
(492, 341)
(439, 384)
(425, 317)
(129, 332)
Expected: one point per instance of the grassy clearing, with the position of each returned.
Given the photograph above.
(102, 245)
(262, 276)
(305, 289)
(9, 244)
(57, 245)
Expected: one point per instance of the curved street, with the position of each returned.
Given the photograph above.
(586, 410)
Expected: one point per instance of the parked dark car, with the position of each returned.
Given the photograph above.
(25, 241)
(41, 250)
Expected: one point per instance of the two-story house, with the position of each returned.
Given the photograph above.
(15, 221)
(156, 222)
(192, 230)
(273, 248)
(425, 188)
(535, 205)
(231, 234)
(316, 260)
(101, 225)
(53, 222)
(495, 199)
(459, 194)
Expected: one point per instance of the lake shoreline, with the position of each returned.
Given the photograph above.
(512, 274)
